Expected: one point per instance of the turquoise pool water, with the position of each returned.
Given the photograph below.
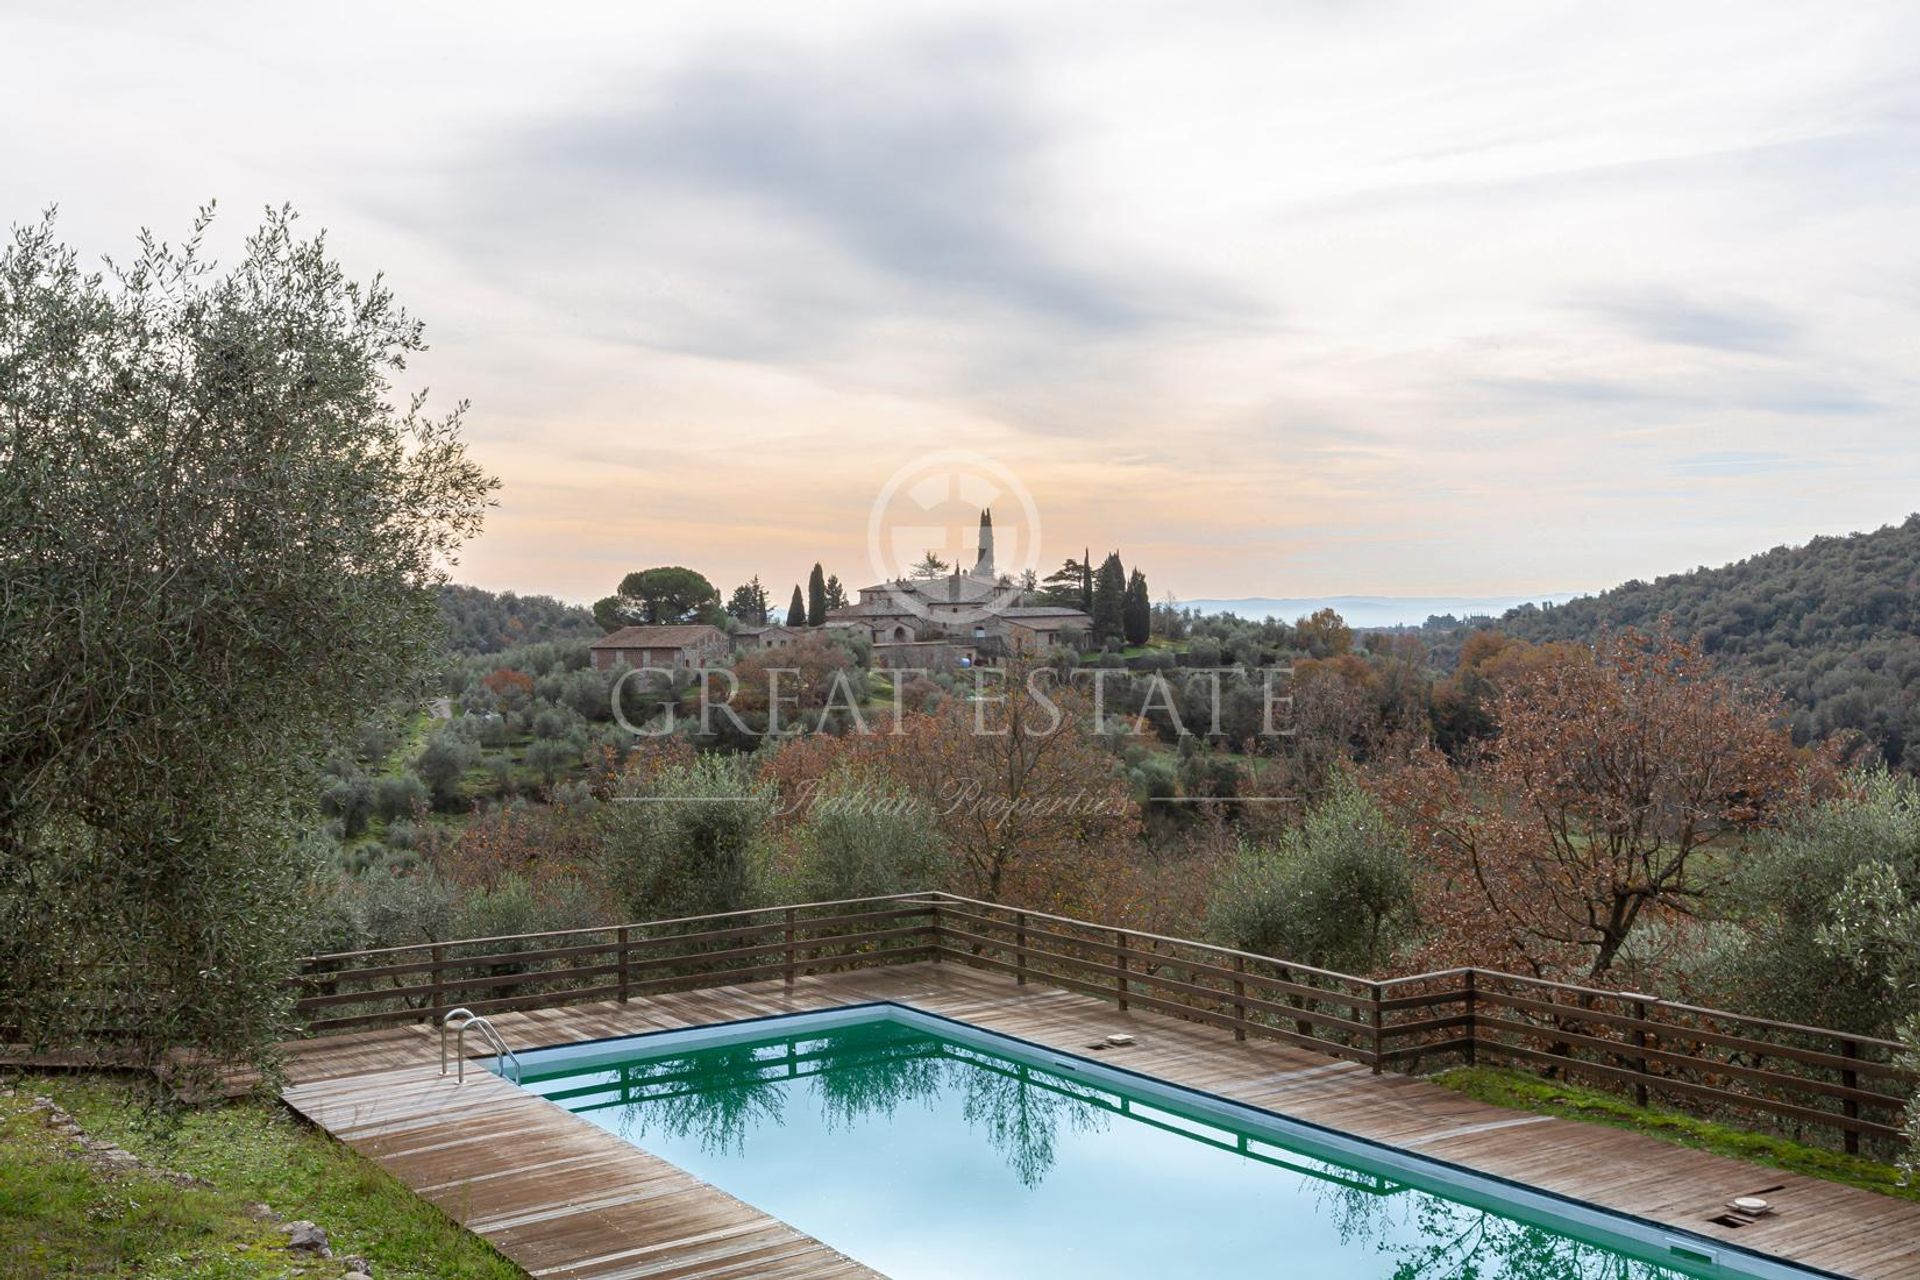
(932, 1151)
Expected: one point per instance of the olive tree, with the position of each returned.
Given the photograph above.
(1335, 891)
(692, 840)
(1802, 878)
(865, 837)
(220, 539)
(1876, 927)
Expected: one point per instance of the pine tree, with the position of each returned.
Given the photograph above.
(1066, 586)
(836, 594)
(1109, 600)
(797, 611)
(816, 596)
(749, 602)
(930, 566)
(1137, 610)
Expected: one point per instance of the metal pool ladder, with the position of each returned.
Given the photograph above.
(467, 1019)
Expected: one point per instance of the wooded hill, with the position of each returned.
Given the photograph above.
(481, 621)
(1834, 626)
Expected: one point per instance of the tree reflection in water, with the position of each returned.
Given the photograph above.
(1021, 1109)
(1434, 1239)
(718, 1096)
(872, 1071)
(867, 1072)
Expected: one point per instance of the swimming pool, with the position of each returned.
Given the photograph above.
(929, 1149)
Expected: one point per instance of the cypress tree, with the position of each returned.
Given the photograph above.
(816, 596)
(797, 611)
(1137, 610)
(1086, 580)
(1109, 600)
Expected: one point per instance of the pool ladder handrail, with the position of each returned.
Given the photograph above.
(469, 1019)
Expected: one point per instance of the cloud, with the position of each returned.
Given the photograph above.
(1739, 391)
(1339, 294)
(1741, 462)
(1670, 316)
(772, 202)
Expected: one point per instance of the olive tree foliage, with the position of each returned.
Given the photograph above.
(693, 840)
(220, 542)
(1335, 891)
(1829, 910)
(1876, 927)
(1789, 892)
(864, 837)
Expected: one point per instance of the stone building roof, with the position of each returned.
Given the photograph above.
(668, 637)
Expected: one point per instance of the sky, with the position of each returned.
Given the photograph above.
(1284, 299)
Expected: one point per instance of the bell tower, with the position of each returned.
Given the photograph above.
(983, 567)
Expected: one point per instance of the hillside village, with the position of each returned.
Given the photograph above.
(934, 623)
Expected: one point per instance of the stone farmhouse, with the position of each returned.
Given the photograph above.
(749, 636)
(692, 645)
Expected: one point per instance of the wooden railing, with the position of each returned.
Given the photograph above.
(354, 989)
(1810, 1083)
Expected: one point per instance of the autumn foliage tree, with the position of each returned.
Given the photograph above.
(1587, 814)
(1028, 798)
(809, 686)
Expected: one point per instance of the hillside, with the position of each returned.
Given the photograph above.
(1368, 612)
(1834, 626)
(480, 621)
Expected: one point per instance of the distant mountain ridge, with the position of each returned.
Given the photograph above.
(1834, 626)
(1373, 611)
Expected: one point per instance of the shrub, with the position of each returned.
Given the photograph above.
(549, 759)
(1793, 886)
(588, 694)
(388, 907)
(1337, 891)
(864, 839)
(399, 796)
(444, 763)
(692, 841)
(553, 722)
(351, 801)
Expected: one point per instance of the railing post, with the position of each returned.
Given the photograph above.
(1378, 1027)
(933, 927)
(438, 998)
(1640, 1042)
(1020, 948)
(793, 955)
(1850, 1107)
(620, 945)
(1473, 1019)
(1239, 999)
(1120, 979)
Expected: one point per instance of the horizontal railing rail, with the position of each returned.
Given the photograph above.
(1810, 1082)
(356, 989)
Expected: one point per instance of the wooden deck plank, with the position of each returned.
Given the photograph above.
(567, 1200)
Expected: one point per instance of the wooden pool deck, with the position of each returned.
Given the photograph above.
(566, 1200)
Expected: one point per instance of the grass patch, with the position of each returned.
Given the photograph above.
(250, 1151)
(1554, 1097)
(60, 1217)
